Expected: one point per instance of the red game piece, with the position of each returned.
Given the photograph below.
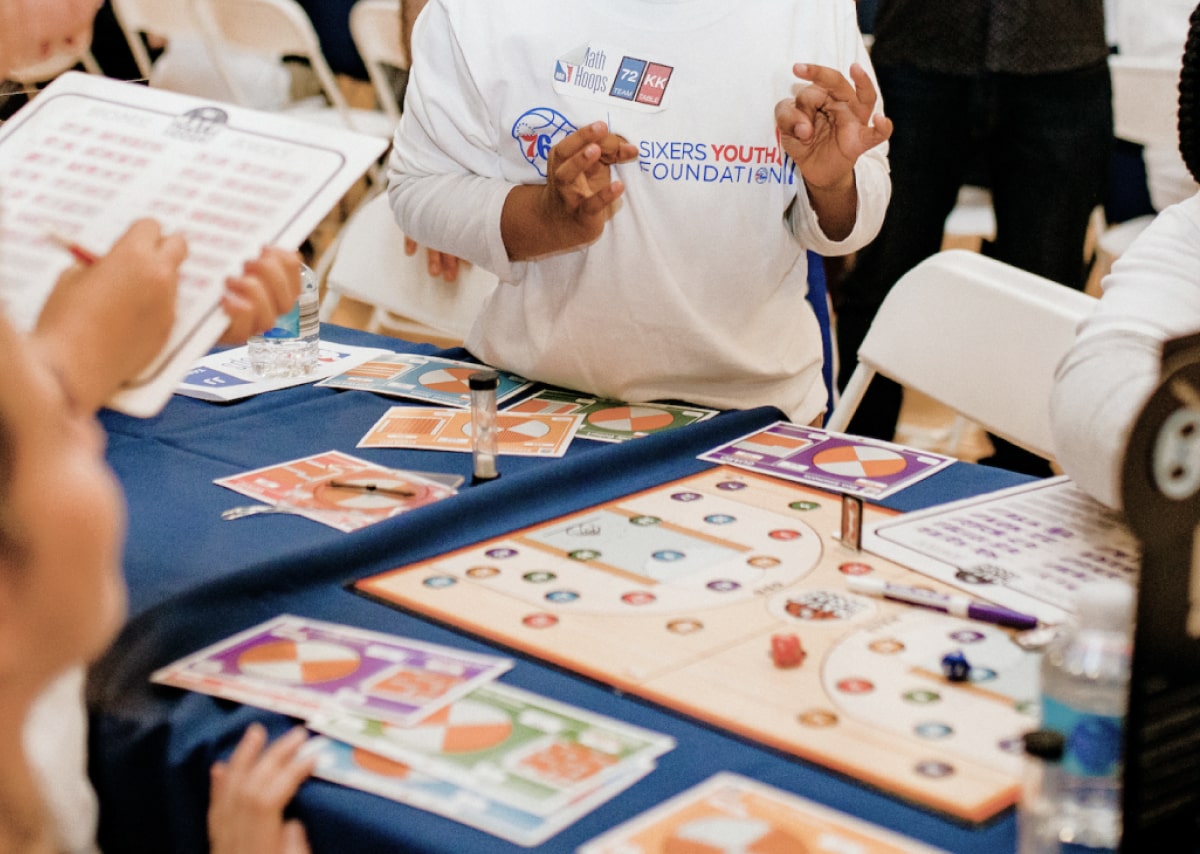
(786, 651)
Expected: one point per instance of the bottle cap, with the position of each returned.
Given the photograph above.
(1046, 744)
(1107, 606)
(483, 380)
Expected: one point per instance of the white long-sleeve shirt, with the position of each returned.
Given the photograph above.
(695, 290)
(1151, 295)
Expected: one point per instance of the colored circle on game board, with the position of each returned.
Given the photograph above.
(720, 519)
(539, 621)
(855, 568)
(723, 585)
(684, 627)
(448, 380)
(967, 636)
(483, 572)
(886, 646)
(645, 521)
(785, 534)
(583, 554)
(860, 461)
(376, 764)
(932, 731)
(804, 505)
(298, 662)
(631, 419)
(763, 562)
(731, 835)
(731, 485)
(462, 727)
(922, 697)
(638, 597)
(934, 769)
(855, 685)
(561, 597)
(521, 431)
(501, 553)
(686, 496)
(440, 582)
(818, 718)
(668, 555)
(539, 577)
(370, 492)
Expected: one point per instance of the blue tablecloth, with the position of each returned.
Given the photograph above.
(195, 579)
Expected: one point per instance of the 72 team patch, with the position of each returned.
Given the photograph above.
(641, 82)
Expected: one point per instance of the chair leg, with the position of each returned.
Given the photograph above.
(850, 398)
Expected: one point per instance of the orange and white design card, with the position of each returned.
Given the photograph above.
(525, 434)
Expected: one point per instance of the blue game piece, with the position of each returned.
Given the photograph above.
(956, 667)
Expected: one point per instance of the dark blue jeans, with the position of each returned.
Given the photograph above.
(1040, 142)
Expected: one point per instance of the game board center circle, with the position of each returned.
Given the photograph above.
(299, 661)
(639, 597)
(539, 577)
(440, 582)
(684, 627)
(804, 506)
(933, 730)
(483, 572)
(561, 597)
(818, 718)
(539, 621)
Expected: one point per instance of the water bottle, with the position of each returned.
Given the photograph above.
(1085, 693)
(1039, 812)
(291, 347)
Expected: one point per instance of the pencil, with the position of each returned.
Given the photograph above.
(80, 254)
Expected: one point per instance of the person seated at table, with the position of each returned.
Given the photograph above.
(1151, 295)
(686, 277)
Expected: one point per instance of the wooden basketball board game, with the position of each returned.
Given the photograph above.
(675, 593)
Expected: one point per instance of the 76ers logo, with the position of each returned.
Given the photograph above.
(537, 131)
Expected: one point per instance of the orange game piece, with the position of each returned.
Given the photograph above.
(786, 651)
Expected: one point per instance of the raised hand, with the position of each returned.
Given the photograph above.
(830, 123)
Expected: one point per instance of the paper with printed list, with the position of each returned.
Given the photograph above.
(89, 155)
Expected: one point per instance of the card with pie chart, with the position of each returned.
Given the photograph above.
(369, 772)
(303, 667)
(430, 379)
(340, 490)
(521, 434)
(510, 745)
(612, 420)
(732, 814)
(850, 465)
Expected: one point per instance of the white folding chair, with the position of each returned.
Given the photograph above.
(279, 29)
(367, 263)
(375, 28)
(1145, 111)
(977, 335)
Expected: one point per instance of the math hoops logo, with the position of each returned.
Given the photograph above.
(539, 130)
(199, 125)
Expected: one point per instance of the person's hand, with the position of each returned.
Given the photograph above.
(579, 191)
(267, 288)
(105, 322)
(439, 264)
(250, 791)
(830, 124)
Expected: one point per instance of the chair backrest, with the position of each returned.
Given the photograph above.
(369, 264)
(375, 28)
(165, 19)
(979, 336)
(1145, 99)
